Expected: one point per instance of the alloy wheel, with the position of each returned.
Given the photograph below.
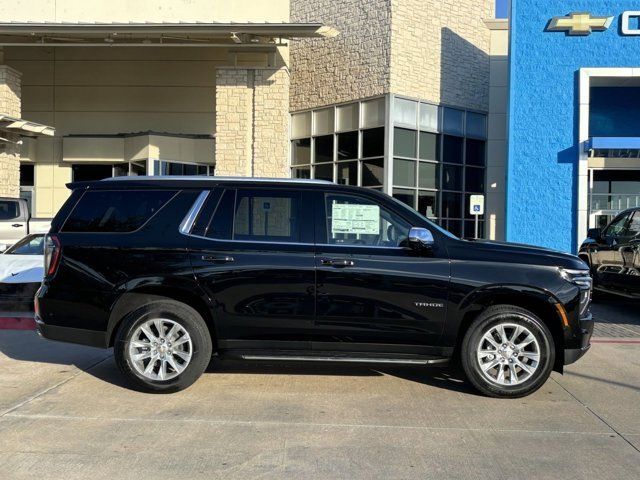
(508, 354)
(160, 349)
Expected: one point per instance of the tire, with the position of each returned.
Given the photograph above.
(477, 352)
(190, 336)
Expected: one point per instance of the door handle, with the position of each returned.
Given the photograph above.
(337, 263)
(217, 259)
(17, 225)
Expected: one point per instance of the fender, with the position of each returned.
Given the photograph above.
(141, 291)
(539, 301)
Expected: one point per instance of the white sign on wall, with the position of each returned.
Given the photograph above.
(350, 218)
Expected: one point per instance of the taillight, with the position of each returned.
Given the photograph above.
(52, 252)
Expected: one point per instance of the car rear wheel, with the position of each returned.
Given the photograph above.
(507, 352)
(164, 346)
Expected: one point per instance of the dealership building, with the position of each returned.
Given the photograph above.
(430, 101)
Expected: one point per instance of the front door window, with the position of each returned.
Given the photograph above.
(353, 220)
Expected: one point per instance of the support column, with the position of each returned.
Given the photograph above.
(271, 123)
(10, 104)
(234, 120)
(252, 122)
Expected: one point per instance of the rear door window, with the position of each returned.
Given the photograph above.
(120, 211)
(257, 215)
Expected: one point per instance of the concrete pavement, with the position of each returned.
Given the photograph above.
(65, 414)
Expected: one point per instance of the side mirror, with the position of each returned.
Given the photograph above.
(594, 233)
(420, 238)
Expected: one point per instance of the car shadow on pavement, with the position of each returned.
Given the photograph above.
(26, 346)
(448, 377)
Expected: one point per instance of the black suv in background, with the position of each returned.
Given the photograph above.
(613, 254)
(170, 270)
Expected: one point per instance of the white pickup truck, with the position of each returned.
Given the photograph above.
(16, 222)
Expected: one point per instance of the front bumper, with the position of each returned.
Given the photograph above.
(582, 339)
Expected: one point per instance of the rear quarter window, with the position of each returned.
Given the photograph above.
(121, 211)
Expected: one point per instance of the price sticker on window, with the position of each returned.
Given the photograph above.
(354, 218)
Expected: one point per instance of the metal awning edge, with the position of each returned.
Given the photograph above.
(19, 125)
(283, 30)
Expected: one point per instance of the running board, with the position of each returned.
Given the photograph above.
(345, 359)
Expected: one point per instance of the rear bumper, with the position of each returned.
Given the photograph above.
(583, 339)
(91, 338)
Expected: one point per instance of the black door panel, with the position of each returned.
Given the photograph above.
(371, 288)
(391, 296)
(263, 294)
(253, 256)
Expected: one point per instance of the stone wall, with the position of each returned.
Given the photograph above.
(234, 103)
(252, 133)
(436, 50)
(440, 51)
(271, 123)
(353, 65)
(10, 92)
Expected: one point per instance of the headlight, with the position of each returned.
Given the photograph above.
(582, 279)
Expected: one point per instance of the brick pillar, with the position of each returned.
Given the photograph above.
(234, 105)
(10, 83)
(252, 122)
(271, 123)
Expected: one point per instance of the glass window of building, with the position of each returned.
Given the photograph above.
(373, 142)
(430, 157)
(453, 121)
(352, 153)
(405, 112)
(323, 149)
(373, 113)
(347, 146)
(404, 142)
(448, 165)
(90, 172)
(301, 125)
(428, 117)
(348, 117)
(301, 151)
(323, 121)
(27, 175)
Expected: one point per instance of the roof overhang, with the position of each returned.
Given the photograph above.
(158, 34)
(23, 128)
(614, 147)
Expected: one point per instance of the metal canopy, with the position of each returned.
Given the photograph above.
(157, 34)
(22, 127)
(614, 147)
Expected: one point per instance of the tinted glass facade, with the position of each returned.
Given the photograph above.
(430, 157)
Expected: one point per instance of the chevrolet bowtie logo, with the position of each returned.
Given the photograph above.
(578, 23)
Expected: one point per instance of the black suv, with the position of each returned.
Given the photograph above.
(614, 255)
(169, 270)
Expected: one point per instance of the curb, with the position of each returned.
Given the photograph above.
(17, 323)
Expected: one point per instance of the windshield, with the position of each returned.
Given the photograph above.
(430, 222)
(29, 245)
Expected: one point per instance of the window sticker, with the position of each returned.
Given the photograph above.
(354, 218)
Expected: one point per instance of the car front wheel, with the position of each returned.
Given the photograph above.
(507, 352)
(164, 346)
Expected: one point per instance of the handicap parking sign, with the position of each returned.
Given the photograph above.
(476, 205)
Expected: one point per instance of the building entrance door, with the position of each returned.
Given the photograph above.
(610, 192)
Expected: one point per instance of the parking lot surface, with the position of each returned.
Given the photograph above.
(65, 414)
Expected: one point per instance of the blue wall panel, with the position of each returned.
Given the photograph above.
(544, 112)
